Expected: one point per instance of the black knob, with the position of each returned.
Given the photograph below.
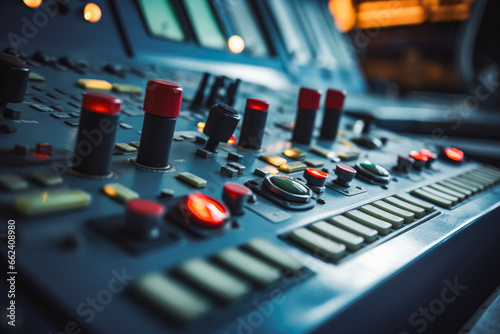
(232, 91)
(404, 164)
(14, 73)
(217, 91)
(220, 125)
(254, 124)
(308, 105)
(96, 134)
(144, 219)
(333, 109)
(345, 175)
(200, 92)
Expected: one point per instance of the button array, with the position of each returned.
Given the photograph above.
(449, 192)
(342, 235)
(198, 286)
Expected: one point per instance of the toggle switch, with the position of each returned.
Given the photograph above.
(220, 125)
(345, 175)
(162, 105)
(254, 124)
(96, 134)
(14, 73)
(308, 105)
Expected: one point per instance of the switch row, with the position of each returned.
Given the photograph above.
(198, 286)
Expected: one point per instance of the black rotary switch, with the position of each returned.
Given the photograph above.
(345, 175)
(308, 105)
(162, 106)
(14, 73)
(254, 124)
(96, 134)
(220, 125)
(333, 110)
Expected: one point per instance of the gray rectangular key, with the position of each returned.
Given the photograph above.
(352, 241)
(443, 202)
(417, 211)
(453, 187)
(448, 191)
(464, 185)
(320, 246)
(406, 215)
(453, 199)
(428, 207)
(274, 255)
(381, 226)
(394, 220)
(368, 234)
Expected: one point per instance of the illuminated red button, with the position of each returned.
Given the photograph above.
(418, 156)
(144, 219)
(314, 177)
(235, 196)
(335, 99)
(431, 157)
(43, 150)
(257, 104)
(309, 98)
(163, 98)
(345, 169)
(345, 174)
(205, 210)
(454, 154)
(101, 103)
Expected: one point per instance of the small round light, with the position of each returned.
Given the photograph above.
(101, 103)
(205, 210)
(257, 104)
(454, 154)
(32, 3)
(232, 140)
(92, 12)
(236, 44)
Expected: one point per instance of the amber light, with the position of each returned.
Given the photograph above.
(235, 44)
(232, 140)
(206, 210)
(92, 12)
(454, 154)
(32, 3)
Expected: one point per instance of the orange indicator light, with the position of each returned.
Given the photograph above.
(92, 12)
(206, 210)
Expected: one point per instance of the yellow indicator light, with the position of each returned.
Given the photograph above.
(201, 125)
(32, 3)
(45, 195)
(271, 170)
(235, 44)
(92, 12)
(295, 153)
(94, 84)
(273, 159)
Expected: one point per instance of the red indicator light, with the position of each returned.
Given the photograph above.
(145, 208)
(309, 98)
(428, 153)
(418, 156)
(256, 104)
(163, 98)
(101, 103)
(43, 150)
(205, 210)
(316, 173)
(454, 154)
(232, 140)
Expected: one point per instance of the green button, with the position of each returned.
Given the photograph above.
(352, 241)
(293, 167)
(12, 182)
(192, 180)
(374, 168)
(371, 210)
(51, 202)
(438, 200)
(125, 147)
(314, 162)
(46, 178)
(381, 226)
(274, 255)
(322, 152)
(289, 185)
(419, 212)
(213, 280)
(414, 201)
(368, 234)
(406, 215)
(171, 298)
(119, 192)
(320, 246)
(248, 266)
(126, 88)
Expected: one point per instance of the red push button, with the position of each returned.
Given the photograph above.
(309, 98)
(345, 174)
(235, 196)
(43, 150)
(205, 210)
(454, 154)
(144, 219)
(145, 208)
(163, 98)
(315, 178)
(431, 157)
(257, 104)
(101, 103)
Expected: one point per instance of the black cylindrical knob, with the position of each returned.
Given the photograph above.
(404, 164)
(220, 125)
(431, 157)
(254, 124)
(345, 175)
(14, 73)
(162, 105)
(235, 196)
(419, 159)
(308, 105)
(144, 219)
(216, 91)
(315, 177)
(96, 134)
(331, 117)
